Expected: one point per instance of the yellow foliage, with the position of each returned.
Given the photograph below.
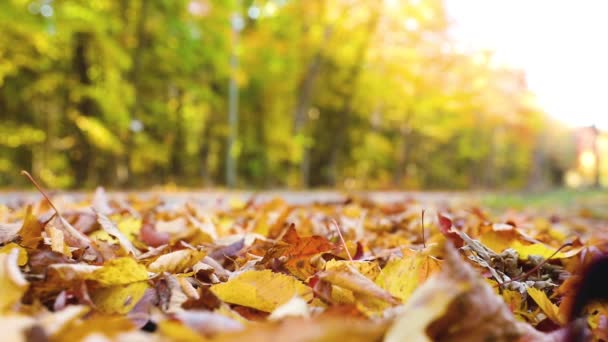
(119, 299)
(21, 259)
(262, 290)
(176, 262)
(550, 309)
(175, 331)
(120, 271)
(31, 230)
(542, 250)
(12, 283)
(402, 276)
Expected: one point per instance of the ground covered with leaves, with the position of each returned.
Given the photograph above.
(131, 268)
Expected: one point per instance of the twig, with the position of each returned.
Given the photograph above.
(527, 274)
(422, 224)
(342, 239)
(27, 174)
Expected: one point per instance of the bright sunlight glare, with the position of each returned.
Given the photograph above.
(560, 44)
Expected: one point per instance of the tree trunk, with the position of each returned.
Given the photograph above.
(303, 103)
(345, 113)
(84, 167)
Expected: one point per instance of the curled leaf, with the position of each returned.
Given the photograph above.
(176, 262)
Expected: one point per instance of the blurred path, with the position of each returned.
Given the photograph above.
(294, 197)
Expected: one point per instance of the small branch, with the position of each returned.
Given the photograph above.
(537, 267)
(422, 224)
(27, 174)
(342, 239)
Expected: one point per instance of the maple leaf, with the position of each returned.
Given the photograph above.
(298, 252)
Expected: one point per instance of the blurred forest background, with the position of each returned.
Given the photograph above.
(263, 94)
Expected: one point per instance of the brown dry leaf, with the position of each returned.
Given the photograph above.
(9, 231)
(298, 252)
(31, 230)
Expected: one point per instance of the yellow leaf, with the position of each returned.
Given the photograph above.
(497, 241)
(542, 250)
(119, 271)
(262, 290)
(176, 262)
(105, 325)
(22, 258)
(119, 299)
(12, 283)
(109, 227)
(130, 226)
(402, 276)
(550, 309)
(57, 241)
(370, 270)
(31, 230)
(176, 331)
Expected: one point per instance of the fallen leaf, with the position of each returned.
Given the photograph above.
(118, 299)
(109, 227)
(22, 259)
(176, 262)
(401, 276)
(542, 250)
(12, 282)
(57, 242)
(298, 252)
(550, 309)
(457, 305)
(295, 307)
(31, 230)
(9, 231)
(119, 271)
(262, 290)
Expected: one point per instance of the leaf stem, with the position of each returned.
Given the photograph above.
(44, 194)
(342, 239)
(527, 274)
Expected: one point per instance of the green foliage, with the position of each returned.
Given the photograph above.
(368, 94)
